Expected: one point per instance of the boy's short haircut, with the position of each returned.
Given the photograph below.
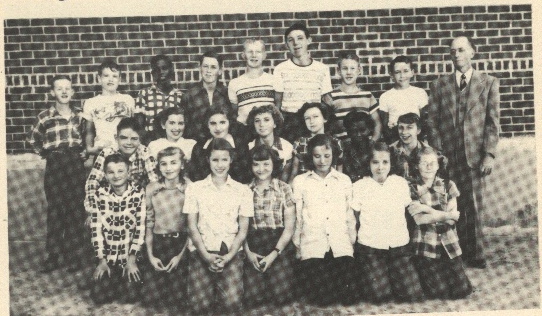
(400, 59)
(323, 140)
(131, 123)
(116, 158)
(253, 41)
(59, 77)
(269, 108)
(109, 63)
(294, 27)
(264, 152)
(211, 54)
(155, 59)
(164, 115)
(347, 55)
(410, 118)
(358, 116)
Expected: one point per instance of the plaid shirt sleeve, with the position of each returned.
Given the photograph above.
(141, 101)
(93, 181)
(150, 165)
(35, 137)
(139, 233)
(96, 226)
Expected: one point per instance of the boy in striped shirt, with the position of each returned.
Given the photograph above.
(350, 97)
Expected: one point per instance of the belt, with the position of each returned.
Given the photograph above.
(170, 235)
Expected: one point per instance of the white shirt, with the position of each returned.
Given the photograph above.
(402, 101)
(106, 113)
(248, 93)
(286, 153)
(301, 84)
(382, 211)
(184, 144)
(468, 75)
(219, 210)
(324, 218)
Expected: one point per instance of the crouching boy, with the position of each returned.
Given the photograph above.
(118, 231)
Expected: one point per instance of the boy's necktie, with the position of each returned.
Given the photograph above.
(463, 82)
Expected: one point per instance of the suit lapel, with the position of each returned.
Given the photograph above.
(452, 96)
(476, 88)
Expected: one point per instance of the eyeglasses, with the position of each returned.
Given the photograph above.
(428, 164)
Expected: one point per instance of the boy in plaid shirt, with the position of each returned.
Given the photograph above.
(435, 239)
(118, 232)
(57, 136)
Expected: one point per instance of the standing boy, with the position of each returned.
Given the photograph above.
(299, 80)
(104, 111)
(129, 145)
(204, 94)
(349, 97)
(402, 98)
(160, 95)
(57, 137)
(253, 88)
(118, 230)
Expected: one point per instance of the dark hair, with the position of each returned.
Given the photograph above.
(213, 110)
(115, 158)
(211, 54)
(131, 123)
(57, 78)
(323, 140)
(379, 147)
(220, 144)
(164, 115)
(358, 116)
(347, 55)
(469, 40)
(326, 111)
(400, 59)
(294, 27)
(410, 118)
(269, 108)
(167, 152)
(155, 59)
(265, 152)
(109, 63)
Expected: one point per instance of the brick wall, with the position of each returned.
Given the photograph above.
(35, 49)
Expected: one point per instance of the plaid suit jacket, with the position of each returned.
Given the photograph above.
(481, 123)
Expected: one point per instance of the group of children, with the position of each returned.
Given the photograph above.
(274, 188)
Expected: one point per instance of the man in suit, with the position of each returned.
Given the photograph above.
(464, 126)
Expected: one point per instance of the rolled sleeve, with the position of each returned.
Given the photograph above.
(246, 207)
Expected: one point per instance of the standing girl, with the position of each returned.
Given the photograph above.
(219, 209)
(325, 226)
(314, 117)
(173, 123)
(266, 122)
(218, 123)
(435, 239)
(269, 264)
(166, 237)
(383, 252)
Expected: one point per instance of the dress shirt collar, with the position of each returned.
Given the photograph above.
(129, 189)
(332, 174)
(276, 142)
(468, 75)
(209, 181)
(54, 112)
(274, 185)
(162, 186)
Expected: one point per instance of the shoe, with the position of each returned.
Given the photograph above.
(477, 263)
(50, 264)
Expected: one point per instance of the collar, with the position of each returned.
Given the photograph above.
(468, 74)
(332, 174)
(129, 189)
(401, 149)
(54, 112)
(274, 185)
(276, 142)
(438, 186)
(220, 88)
(158, 90)
(208, 181)
(115, 149)
(162, 186)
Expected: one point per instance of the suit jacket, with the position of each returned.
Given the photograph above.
(481, 120)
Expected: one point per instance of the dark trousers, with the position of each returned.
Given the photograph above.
(387, 274)
(115, 287)
(470, 204)
(443, 277)
(64, 182)
(327, 280)
(161, 286)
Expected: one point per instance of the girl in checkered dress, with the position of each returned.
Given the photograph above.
(438, 254)
(268, 269)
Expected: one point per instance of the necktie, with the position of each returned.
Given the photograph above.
(463, 82)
